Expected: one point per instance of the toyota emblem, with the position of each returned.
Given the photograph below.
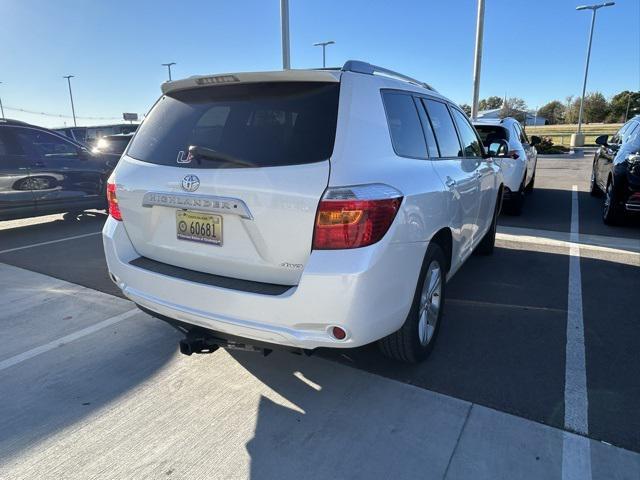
(190, 183)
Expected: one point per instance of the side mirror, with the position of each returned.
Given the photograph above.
(535, 140)
(602, 140)
(498, 148)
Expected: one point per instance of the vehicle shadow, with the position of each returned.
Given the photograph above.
(326, 421)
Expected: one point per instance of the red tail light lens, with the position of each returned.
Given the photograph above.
(354, 222)
(114, 208)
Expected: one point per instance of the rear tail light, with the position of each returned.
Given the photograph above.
(114, 208)
(353, 217)
(513, 154)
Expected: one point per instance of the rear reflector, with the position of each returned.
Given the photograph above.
(114, 208)
(338, 333)
(353, 217)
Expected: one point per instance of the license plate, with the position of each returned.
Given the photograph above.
(199, 227)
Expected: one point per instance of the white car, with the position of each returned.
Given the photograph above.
(301, 209)
(519, 165)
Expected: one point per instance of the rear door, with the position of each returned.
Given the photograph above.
(458, 174)
(16, 197)
(529, 150)
(227, 179)
(63, 173)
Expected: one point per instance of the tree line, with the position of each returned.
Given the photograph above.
(597, 109)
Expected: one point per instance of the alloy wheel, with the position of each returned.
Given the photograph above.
(430, 299)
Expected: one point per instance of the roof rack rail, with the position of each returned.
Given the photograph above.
(358, 66)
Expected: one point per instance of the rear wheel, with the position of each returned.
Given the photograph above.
(516, 202)
(611, 213)
(530, 185)
(415, 339)
(594, 190)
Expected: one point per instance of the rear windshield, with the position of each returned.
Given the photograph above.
(249, 125)
(491, 133)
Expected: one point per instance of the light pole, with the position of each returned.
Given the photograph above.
(73, 109)
(284, 27)
(478, 59)
(577, 140)
(168, 65)
(324, 46)
(2, 108)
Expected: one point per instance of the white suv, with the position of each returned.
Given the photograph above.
(300, 208)
(519, 165)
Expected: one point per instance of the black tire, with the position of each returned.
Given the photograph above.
(611, 210)
(531, 184)
(516, 201)
(594, 189)
(405, 345)
(488, 242)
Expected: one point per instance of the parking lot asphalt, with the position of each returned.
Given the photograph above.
(504, 334)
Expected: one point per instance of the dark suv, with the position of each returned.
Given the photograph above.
(43, 172)
(616, 172)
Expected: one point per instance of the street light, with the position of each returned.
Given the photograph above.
(577, 140)
(2, 108)
(324, 46)
(284, 28)
(168, 65)
(73, 110)
(478, 59)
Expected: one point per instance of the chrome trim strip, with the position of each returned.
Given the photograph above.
(198, 203)
(633, 207)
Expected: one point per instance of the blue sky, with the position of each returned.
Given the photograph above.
(534, 49)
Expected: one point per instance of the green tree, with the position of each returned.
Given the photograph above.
(514, 107)
(466, 108)
(618, 106)
(596, 108)
(490, 103)
(553, 112)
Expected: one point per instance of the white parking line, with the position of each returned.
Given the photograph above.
(576, 452)
(34, 352)
(49, 242)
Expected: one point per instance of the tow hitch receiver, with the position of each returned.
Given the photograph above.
(208, 344)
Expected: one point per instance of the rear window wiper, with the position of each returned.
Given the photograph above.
(196, 151)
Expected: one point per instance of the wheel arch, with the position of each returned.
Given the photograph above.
(444, 239)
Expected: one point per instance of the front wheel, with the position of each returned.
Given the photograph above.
(488, 242)
(415, 339)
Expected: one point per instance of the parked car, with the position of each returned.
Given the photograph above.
(115, 144)
(519, 166)
(43, 172)
(301, 209)
(616, 172)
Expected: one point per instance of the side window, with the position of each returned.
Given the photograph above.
(470, 141)
(633, 133)
(11, 153)
(404, 125)
(47, 145)
(628, 133)
(443, 128)
(432, 145)
(619, 135)
(523, 136)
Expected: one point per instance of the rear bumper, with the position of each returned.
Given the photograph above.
(366, 291)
